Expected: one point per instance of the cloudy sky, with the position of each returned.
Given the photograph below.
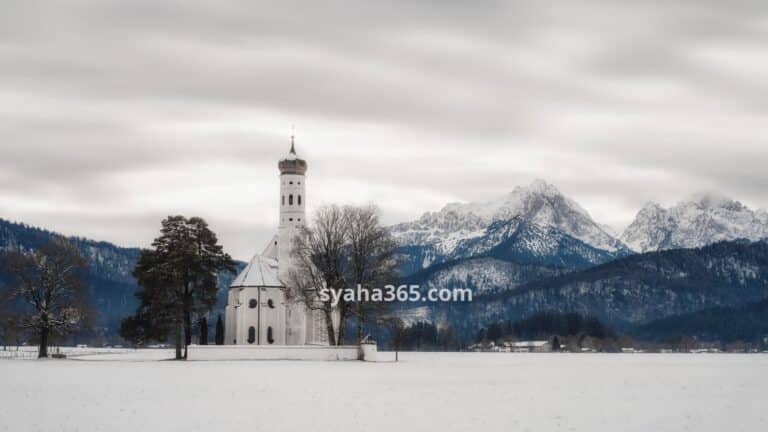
(114, 114)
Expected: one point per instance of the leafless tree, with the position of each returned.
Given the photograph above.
(343, 247)
(319, 259)
(371, 261)
(48, 281)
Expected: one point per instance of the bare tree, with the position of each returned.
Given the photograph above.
(48, 281)
(343, 247)
(371, 261)
(319, 259)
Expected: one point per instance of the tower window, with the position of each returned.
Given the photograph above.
(290, 182)
(290, 199)
(298, 197)
(283, 199)
(251, 334)
(290, 219)
(271, 304)
(270, 339)
(252, 303)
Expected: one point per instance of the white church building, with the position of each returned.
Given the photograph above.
(258, 311)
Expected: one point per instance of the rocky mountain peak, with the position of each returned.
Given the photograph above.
(539, 203)
(697, 222)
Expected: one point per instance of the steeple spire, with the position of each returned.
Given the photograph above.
(291, 163)
(293, 134)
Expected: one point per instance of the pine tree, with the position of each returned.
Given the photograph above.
(178, 277)
(203, 331)
(219, 331)
(555, 344)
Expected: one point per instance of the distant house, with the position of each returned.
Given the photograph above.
(529, 346)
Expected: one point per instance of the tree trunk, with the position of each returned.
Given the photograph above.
(360, 326)
(43, 352)
(342, 321)
(187, 332)
(178, 341)
(329, 326)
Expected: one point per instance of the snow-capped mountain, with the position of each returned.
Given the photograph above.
(694, 223)
(533, 223)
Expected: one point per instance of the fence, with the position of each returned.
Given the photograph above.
(26, 351)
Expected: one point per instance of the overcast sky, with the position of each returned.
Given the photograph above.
(114, 114)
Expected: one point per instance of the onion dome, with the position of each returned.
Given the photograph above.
(292, 164)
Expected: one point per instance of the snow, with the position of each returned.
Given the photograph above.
(424, 392)
(539, 203)
(260, 271)
(693, 223)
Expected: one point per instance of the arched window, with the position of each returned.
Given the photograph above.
(299, 199)
(271, 304)
(252, 303)
(251, 334)
(290, 199)
(270, 339)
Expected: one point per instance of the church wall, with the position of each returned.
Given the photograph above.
(248, 316)
(229, 316)
(278, 352)
(296, 314)
(272, 316)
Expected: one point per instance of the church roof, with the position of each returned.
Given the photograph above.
(261, 271)
(292, 164)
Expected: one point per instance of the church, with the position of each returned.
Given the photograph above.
(258, 311)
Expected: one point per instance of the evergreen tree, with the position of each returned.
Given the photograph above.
(219, 331)
(178, 278)
(203, 331)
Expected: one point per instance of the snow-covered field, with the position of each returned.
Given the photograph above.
(424, 392)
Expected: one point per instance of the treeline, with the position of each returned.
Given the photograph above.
(419, 336)
(544, 325)
(728, 325)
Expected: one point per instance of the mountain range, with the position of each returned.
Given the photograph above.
(694, 223)
(536, 249)
(538, 223)
(530, 250)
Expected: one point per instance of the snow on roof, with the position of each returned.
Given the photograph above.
(270, 251)
(261, 271)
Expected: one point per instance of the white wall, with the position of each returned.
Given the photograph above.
(274, 352)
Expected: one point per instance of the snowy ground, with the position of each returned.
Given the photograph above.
(424, 392)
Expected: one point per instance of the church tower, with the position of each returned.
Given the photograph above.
(293, 201)
(260, 309)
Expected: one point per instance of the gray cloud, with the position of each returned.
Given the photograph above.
(114, 114)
